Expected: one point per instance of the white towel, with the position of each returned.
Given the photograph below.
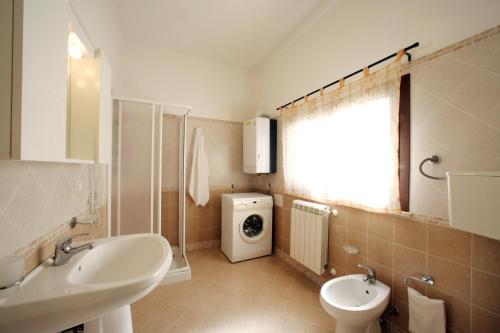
(198, 179)
(426, 315)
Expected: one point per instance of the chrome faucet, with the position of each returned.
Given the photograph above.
(371, 277)
(64, 250)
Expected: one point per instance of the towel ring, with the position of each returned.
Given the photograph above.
(425, 279)
(434, 159)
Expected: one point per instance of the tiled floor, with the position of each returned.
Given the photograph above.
(260, 295)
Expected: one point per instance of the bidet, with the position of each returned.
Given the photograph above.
(354, 303)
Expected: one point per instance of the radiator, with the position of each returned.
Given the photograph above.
(309, 235)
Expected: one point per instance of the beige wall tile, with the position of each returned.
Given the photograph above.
(215, 220)
(411, 234)
(484, 321)
(381, 251)
(457, 311)
(450, 278)
(353, 260)
(338, 236)
(486, 291)
(399, 289)
(486, 254)
(358, 240)
(204, 234)
(408, 261)
(357, 219)
(383, 273)
(341, 218)
(381, 226)
(338, 257)
(450, 243)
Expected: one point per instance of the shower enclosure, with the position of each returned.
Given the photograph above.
(139, 170)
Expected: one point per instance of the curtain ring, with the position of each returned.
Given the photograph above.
(366, 71)
(321, 92)
(341, 83)
(400, 55)
(306, 98)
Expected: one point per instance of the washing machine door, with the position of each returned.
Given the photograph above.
(252, 228)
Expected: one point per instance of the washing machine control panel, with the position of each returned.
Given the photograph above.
(253, 204)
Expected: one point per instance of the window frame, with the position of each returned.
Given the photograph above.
(404, 142)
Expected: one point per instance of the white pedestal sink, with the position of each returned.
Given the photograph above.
(95, 286)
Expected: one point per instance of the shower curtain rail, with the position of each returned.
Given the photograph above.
(405, 50)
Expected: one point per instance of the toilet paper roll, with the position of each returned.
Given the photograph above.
(11, 270)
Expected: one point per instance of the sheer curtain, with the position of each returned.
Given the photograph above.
(343, 146)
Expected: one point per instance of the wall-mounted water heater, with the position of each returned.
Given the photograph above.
(259, 145)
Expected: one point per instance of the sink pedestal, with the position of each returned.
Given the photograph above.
(119, 320)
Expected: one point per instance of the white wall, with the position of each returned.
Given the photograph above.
(355, 33)
(214, 90)
(100, 22)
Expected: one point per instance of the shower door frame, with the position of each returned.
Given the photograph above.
(182, 164)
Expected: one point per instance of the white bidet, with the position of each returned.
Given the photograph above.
(355, 305)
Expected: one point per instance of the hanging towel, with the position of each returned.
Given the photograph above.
(426, 315)
(198, 179)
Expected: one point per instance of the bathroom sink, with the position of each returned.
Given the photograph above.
(355, 304)
(118, 271)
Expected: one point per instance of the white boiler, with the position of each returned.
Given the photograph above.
(259, 145)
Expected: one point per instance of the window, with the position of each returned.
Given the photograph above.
(343, 146)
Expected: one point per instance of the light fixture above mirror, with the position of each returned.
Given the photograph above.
(76, 49)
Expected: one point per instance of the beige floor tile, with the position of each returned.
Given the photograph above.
(254, 296)
(319, 317)
(311, 328)
(291, 325)
(140, 319)
(297, 310)
(192, 319)
(156, 326)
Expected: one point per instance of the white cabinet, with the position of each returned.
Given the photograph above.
(36, 100)
(40, 80)
(6, 27)
(259, 145)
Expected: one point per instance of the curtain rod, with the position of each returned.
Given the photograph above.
(406, 49)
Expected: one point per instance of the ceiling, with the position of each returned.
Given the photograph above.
(234, 32)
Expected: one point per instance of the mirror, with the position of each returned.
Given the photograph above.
(83, 100)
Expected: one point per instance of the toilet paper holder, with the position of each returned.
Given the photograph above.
(426, 279)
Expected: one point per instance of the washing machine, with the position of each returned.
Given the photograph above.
(247, 225)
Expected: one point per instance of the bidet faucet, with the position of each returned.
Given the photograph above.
(64, 250)
(371, 277)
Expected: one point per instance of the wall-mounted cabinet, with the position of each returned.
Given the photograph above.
(6, 28)
(45, 114)
(39, 80)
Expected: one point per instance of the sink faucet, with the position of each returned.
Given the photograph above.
(371, 277)
(64, 250)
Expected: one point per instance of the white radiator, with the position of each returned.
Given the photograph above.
(309, 235)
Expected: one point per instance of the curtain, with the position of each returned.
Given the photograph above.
(343, 146)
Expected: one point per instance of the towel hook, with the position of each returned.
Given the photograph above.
(434, 159)
(426, 279)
